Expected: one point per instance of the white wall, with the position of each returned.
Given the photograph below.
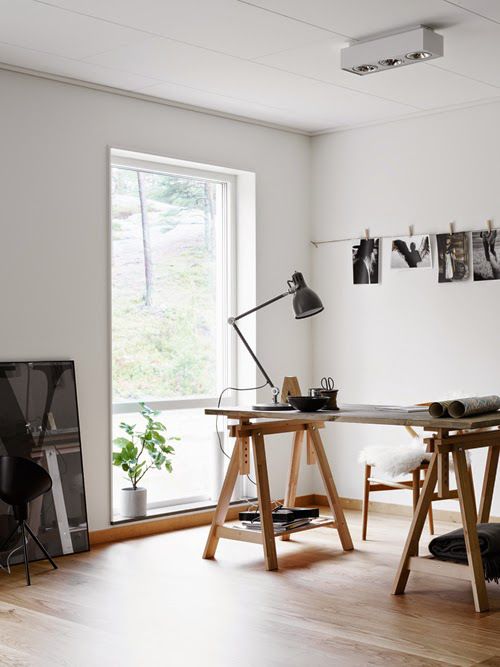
(54, 269)
(408, 339)
(405, 340)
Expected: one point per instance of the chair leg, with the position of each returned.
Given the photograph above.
(26, 561)
(40, 545)
(366, 495)
(415, 487)
(430, 516)
(431, 520)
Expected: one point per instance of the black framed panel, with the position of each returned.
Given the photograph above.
(39, 420)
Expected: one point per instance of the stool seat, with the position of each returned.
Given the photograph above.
(21, 481)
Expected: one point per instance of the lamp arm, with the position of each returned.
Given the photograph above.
(232, 321)
(262, 305)
(259, 365)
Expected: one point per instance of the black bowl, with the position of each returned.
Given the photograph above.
(308, 403)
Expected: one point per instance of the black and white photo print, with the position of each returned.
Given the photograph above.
(365, 261)
(453, 257)
(486, 255)
(411, 252)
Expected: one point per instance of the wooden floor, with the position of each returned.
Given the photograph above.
(154, 601)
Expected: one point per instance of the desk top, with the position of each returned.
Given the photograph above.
(365, 414)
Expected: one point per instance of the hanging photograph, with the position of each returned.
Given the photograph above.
(411, 252)
(486, 255)
(365, 261)
(453, 257)
(39, 422)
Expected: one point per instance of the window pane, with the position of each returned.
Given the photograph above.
(170, 292)
(164, 284)
(196, 463)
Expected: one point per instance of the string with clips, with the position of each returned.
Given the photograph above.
(316, 244)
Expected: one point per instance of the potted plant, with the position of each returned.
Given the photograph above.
(137, 453)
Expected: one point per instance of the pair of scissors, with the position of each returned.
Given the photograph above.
(327, 383)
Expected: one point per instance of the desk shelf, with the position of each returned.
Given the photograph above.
(236, 532)
(435, 566)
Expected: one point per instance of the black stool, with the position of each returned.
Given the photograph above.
(21, 481)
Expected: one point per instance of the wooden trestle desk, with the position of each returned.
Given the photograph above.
(447, 436)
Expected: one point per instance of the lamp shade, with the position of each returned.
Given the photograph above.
(305, 300)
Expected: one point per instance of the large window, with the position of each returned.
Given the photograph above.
(172, 290)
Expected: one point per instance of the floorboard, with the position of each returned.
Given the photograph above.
(154, 601)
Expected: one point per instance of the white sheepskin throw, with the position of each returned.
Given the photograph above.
(395, 460)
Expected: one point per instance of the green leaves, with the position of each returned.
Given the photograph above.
(123, 442)
(127, 428)
(130, 456)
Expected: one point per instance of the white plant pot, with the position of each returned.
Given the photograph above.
(134, 502)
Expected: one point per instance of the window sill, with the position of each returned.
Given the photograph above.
(189, 508)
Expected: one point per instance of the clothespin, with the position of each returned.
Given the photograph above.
(410, 230)
(367, 234)
(489, 224)
(452, 231)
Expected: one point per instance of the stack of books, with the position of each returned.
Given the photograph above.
(284, 518)
(278, 527)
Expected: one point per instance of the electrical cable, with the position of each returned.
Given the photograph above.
(217, 417)
(6, 567)
(12, 553)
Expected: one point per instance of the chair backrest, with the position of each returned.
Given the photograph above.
(22, 480)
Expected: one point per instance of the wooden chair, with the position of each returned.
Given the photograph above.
(371, 484)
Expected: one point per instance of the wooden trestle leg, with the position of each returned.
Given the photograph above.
(490, 474)
(417, 525)
(469, 520)
(265, 503)
(330, 488)
(293, 474)
(224, 500)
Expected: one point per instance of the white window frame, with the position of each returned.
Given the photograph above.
(226, 285)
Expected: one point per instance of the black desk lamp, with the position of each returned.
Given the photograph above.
(305, 304)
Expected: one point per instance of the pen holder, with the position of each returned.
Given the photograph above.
(332, 398)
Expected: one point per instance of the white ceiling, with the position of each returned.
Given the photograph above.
(276, 61)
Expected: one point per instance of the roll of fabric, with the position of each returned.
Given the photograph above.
(451, 547)
(463, 407)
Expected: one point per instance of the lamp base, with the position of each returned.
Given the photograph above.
(272, 406)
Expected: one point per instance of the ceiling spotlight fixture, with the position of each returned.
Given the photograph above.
(390, 62)
(419, 55)
(365, 69)
(408, 47)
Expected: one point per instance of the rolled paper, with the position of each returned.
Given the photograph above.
(439, 408)
(463, 407)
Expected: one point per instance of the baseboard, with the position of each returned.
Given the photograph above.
(203, 518)
(449, 516)
(166, 524)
